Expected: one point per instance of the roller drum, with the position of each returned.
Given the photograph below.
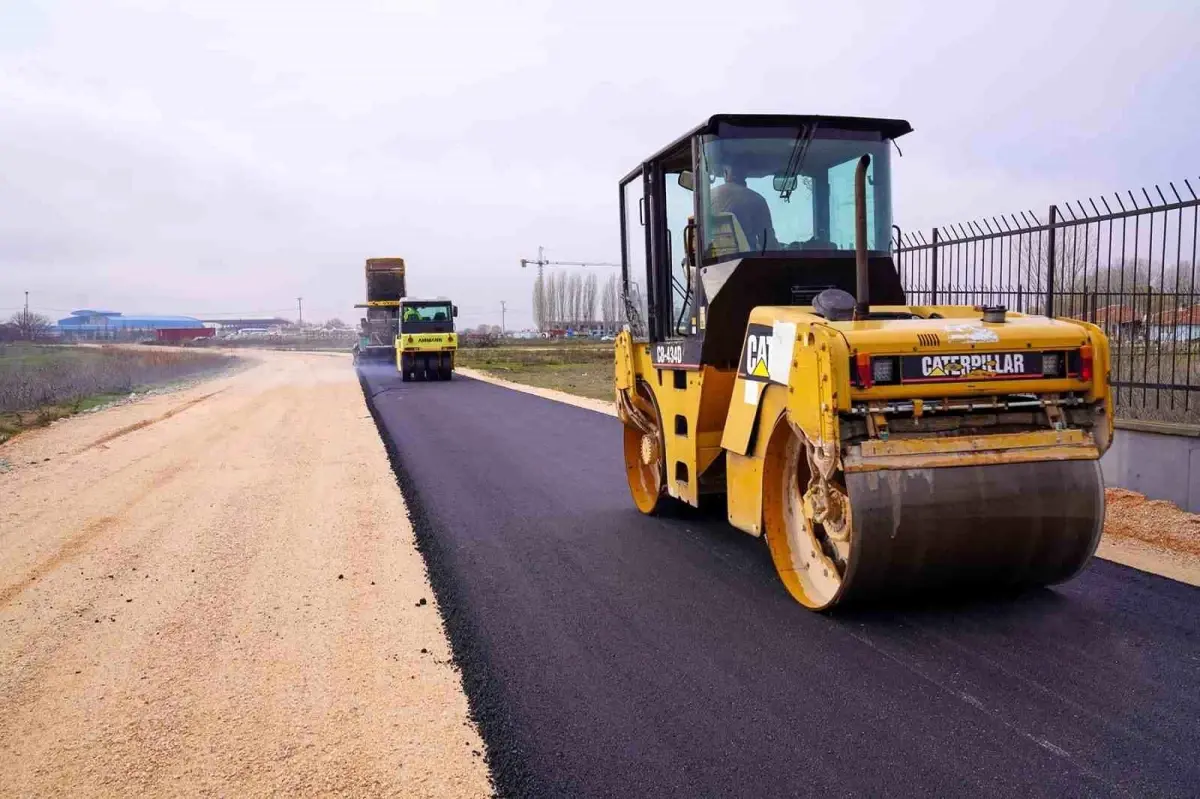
(971, 526)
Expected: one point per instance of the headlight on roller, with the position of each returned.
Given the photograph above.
(1053, 364)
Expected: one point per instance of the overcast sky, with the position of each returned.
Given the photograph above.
(231, 155)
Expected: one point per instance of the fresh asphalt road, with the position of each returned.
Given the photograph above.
(609, 654)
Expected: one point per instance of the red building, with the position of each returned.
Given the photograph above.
(174, 335)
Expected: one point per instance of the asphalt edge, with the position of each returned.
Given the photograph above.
(507, 768)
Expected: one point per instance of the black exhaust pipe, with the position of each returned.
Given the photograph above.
(862, 305)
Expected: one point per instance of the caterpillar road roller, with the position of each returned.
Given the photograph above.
(880, 448)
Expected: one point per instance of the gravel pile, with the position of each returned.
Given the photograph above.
(1157, 522)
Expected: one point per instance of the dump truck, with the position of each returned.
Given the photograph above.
(377, 330)
(426, 344)
(880, 448)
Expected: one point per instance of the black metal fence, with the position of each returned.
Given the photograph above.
(1126, 263)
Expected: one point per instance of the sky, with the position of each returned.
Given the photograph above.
(228, 156)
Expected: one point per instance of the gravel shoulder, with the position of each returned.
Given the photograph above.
(216, 591)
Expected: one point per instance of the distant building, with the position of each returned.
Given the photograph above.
(174, 335)
(1175, 324)
(1118, 321)
(89, 323)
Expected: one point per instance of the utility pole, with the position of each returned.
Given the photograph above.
(503, 310)
(27, 305)
(300, 308)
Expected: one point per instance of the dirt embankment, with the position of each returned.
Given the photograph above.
(216, 591)
(1152, 535)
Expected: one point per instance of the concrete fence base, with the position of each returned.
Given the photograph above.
(1158, 459)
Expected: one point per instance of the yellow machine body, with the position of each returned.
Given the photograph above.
(792, 435)
(880, 448)
(426, 343)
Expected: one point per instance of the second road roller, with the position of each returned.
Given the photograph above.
(880, 447)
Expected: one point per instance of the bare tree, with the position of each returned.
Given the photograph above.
(610, 303)
(1077, 271)
(551, 299)
(574, 294)
(540, 303)
(30, 325)
(561, 298)
(591, 287)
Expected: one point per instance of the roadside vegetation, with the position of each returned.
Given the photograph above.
(584, 368)
(41, 383)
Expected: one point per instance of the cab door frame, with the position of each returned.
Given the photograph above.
(669, 349)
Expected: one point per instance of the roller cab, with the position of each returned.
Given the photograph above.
(879, 447)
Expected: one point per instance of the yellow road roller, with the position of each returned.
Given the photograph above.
(771, 356)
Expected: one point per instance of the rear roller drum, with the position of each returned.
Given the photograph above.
(836, 538)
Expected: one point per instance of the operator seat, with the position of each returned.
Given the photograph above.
(727, 237)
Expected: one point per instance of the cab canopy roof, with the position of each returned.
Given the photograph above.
(888, 128)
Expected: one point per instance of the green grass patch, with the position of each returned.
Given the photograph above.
(585, 369)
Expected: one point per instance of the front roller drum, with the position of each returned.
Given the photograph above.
(914, 531)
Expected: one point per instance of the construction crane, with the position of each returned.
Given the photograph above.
(542, 263)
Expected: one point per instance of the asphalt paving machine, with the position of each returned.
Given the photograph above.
(377, 330)
(879, 447)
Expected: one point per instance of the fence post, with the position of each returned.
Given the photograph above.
(1050, 263)
(933, 275)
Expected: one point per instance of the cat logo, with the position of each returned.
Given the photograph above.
(756, 353)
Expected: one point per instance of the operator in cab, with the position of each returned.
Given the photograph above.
(748, 206)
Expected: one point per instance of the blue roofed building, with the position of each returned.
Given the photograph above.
(88, 323)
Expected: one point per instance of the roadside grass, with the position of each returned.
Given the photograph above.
(581, 368)
(42, 383)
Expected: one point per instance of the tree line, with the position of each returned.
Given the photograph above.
(576, 300)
